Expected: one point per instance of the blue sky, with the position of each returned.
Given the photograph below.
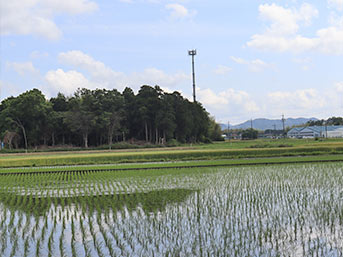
(255, 58)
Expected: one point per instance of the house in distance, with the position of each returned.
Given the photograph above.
(316, 132)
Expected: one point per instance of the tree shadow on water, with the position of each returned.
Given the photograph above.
(150, 202)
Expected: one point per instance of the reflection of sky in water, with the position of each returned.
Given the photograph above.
(263, 211)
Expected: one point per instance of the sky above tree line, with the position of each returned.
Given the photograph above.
(255, 58)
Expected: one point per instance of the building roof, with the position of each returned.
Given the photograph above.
(295, 130)
(316, 129)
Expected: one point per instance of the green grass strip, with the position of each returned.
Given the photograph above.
(31, 160)
(180, 164)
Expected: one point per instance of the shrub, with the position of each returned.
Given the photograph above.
(173, 143)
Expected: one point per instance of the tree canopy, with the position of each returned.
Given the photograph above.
(101, 116)
(335, 121)
(250, 134)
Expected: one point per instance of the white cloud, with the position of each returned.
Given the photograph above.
(66, 82)
(105, 76)
(22, 68)
(36, 17)
(285, 21)
(222, 70)
(309, 102)
(232, 104)
(307, 13)
(153, 76)
(283, 33)
(238, 105)
(178, 11)
(230, 100)
(97, 69)
(240, 98)
(336, 4)
(339, 87)
(253, 65)
(305, 99)
(210, 98)
(330, 40)
(69, 6)
(294, 44)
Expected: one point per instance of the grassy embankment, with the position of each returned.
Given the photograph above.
(224, 153)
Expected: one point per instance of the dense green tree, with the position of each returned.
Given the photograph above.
(131, 120)
(109, 112)
(183, 117)
(315, 123)
(80, 117)
(149, 101)
(200, 123)
(28, 112)
(215, 131)
(97, 117)
(249, 134)
(60, 106)
(166, 118)
(335, 121)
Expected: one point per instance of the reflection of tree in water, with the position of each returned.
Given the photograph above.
(150, 202)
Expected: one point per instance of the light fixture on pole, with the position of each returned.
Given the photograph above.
(193, 53)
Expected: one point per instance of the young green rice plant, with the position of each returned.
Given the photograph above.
(264, 211)
(38, 243)
(50, 243)
(99, 247)
(86, 244)
(26, 247)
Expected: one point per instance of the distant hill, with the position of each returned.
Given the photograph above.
(263, 124)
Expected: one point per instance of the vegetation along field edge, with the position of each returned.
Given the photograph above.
(156, 156)
(173, 165)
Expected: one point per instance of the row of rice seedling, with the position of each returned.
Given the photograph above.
(288, 210)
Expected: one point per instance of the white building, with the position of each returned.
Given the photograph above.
(316, 131)
(335, 133)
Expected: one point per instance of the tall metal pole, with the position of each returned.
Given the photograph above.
(283, 125)
(326, 129)
(228, 129)
(193, 53)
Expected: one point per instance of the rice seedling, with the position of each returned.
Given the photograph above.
(288, 210)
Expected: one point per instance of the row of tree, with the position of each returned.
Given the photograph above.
(333, 121)
(98, 117)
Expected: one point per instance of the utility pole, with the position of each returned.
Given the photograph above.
(283, 124)
(326, 129)
(193, 53)
(274, 130)
(251, 123)
(228, 129)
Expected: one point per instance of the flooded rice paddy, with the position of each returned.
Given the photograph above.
(285, 210)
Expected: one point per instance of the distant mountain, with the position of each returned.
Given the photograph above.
(263, 124)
